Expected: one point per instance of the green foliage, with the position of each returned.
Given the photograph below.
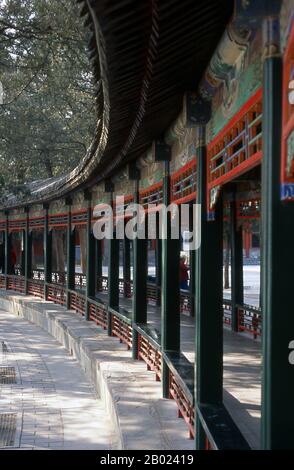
(47, 117)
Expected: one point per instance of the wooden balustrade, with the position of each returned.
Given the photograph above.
(16, 283)
(238, 146)
(185, 406)
(150, 354)
(57, 294)
(249, 320)
(2, 281)
(77, 303)
(98, 314)
(183, 182)
(122, 329)
(36, 288)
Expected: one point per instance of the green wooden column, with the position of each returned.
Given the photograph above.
(113, 279)
(158, 260)
(99, 260)
(126, 265)
(22, 256)
(277, 424)
(170, 288)
(71, 252)
(47, 251)
(208, 305)
(139, 280)
(7, 263)
(192, 286)
(113, 265)
(28, 251)
(236, 264)
(91, 258)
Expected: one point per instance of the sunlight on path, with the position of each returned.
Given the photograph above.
(46, 402)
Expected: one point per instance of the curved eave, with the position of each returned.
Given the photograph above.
(145, 56)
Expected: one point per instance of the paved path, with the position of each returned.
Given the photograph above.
(46, 401)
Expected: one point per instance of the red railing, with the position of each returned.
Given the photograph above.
(249, 318)
(121, 329)
(36, 288)
(237, 145)
(98, 314)
(57, 294)
(77, 303)
(151, 195)
(150, 354)
(16, 283)
(186, 408)
(2, 281)
(183, 182)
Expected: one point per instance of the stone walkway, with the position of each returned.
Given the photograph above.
(46, 401)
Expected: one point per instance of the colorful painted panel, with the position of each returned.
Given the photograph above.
(235, 150)
(287, 166)
(243, 79)
(183, 183)
(150, 175)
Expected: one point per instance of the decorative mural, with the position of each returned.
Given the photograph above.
(233, 83)
(286, 20)
(287, 166)
(151, 174)
(58, 207)
(240, 80)
(78, 202)
(123, 185)
(183, 149)
(99, 196)
(37, 211)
